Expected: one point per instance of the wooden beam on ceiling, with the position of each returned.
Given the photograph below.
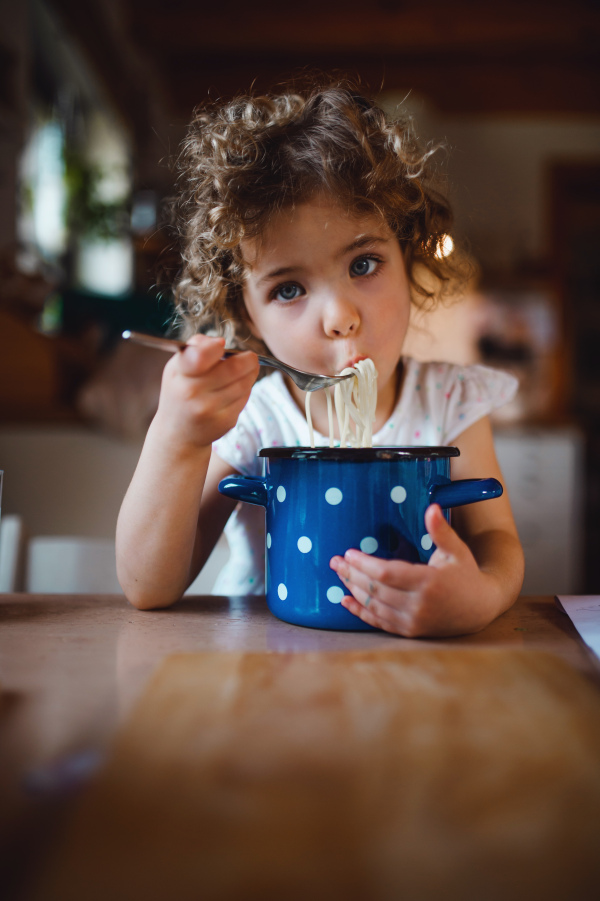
(470, 86)
(523, 57)
(344, 26)
(466, 57)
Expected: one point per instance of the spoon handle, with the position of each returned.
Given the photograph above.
(169, 344)
(172, 345)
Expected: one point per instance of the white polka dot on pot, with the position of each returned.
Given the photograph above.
(304, 544)
(333, 496)
(369, 545)
(426, 542)
(282, 591)
(335, 594)
(281, 494)
(398, 494)
(268, 539)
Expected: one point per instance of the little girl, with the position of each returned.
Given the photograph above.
(310, 226)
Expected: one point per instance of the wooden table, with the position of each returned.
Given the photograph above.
(71, 667)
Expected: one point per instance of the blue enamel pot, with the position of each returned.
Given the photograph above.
(322, 501)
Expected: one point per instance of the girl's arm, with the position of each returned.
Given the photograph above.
(172, 514)
(474, 575)
(488, 527)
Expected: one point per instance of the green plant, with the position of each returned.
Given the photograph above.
(88, 214)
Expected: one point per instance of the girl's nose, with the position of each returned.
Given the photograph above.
(340, 318)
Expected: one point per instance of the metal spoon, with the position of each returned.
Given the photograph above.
(307, 381)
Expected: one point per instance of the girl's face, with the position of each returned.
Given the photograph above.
(325, 289)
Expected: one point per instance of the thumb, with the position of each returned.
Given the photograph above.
(441, 532)
(200, 354)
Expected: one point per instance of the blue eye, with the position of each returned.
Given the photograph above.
(363, 266)
(287, 292)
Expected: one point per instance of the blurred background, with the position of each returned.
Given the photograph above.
(94, 102)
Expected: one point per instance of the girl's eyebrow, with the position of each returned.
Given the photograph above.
(361, 241)
(277, 273)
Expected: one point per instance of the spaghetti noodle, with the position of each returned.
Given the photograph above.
(355, 406)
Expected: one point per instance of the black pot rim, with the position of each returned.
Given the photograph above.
(358, 454)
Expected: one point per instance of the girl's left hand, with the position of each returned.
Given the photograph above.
(448, 596)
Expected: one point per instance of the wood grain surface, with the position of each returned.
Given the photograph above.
(421, 774)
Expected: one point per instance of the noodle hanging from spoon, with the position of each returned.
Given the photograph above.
(355, 406)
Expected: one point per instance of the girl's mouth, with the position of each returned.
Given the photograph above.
(354, 361)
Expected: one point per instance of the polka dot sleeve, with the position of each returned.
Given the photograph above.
(470, 393)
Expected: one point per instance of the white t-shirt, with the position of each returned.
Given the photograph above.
(437, 403)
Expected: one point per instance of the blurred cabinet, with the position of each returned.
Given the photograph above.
(575, 236)
(543, 472)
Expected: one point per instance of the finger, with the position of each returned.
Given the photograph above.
(199, 355)
(391, 606)
(211, 394)
(358, 610)
(396, 573)
(237, 368)
(228, 380)
(395, 622)
(370, 600)
(232, 398)
(369, 585)
(441, 532)
(197, 361)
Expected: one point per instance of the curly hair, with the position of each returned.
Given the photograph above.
(245, 160)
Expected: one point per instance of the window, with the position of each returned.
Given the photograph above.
(75, 172)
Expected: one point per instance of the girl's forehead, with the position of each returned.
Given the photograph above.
(321, 210)
(319, 222)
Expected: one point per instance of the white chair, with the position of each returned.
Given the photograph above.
(59, 564)
(12, 553)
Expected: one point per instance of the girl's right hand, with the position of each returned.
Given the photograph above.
(202, 394)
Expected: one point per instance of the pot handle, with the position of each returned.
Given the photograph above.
(464, 491)
(251, 489)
